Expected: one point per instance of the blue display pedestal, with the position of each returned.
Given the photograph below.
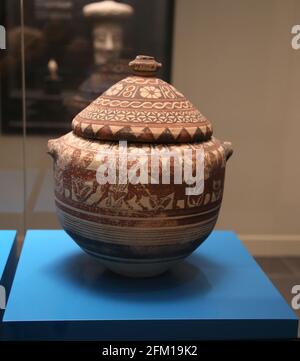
(218, 293)
(8, 259)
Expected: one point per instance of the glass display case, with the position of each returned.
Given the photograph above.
(74, 51)
(238, 63)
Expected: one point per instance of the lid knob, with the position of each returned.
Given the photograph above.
(144, 65)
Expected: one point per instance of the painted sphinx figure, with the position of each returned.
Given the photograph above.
(107, 18)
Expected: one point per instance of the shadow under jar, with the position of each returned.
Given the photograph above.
(124, 176)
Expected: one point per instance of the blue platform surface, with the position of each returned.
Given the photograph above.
(7, 257)
(218, 293)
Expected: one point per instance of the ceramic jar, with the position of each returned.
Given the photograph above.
(147, 221)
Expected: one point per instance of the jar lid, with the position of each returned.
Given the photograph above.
(142, 108)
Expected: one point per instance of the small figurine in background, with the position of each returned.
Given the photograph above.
(10, 60)
(53, 69)
(107, 19)
(53, 80)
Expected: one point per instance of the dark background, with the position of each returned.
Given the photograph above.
(68, 40)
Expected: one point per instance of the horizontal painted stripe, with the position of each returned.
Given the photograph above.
(134, 261)
(132, 236)
(149, 238)
(115, 221)
(78, 220)
(145, 218)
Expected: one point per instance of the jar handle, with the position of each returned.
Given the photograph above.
(228, 149)
(52, 151)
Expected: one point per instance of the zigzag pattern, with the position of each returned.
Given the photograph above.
(143, 134)
(142, 109)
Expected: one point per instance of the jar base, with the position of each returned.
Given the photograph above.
(139, 269)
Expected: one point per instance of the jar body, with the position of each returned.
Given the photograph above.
(136, 229)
